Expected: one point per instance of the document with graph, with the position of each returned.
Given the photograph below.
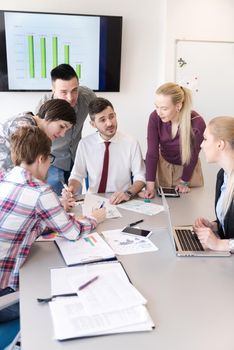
(87, 249)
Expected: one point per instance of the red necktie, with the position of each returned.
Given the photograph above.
(102, 186)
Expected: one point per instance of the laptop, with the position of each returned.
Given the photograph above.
(185, 241)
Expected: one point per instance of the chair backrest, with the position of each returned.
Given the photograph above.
(9, 333)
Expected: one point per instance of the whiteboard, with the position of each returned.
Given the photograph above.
(207, 68)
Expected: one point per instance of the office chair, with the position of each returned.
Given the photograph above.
(9, 331)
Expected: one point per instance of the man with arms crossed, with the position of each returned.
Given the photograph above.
(125, 170)
(65, 85)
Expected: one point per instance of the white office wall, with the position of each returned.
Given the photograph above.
(142, 58)
(196, 20)
(210, 20)
(148, 52)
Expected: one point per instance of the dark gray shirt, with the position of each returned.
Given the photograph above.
(64, 148)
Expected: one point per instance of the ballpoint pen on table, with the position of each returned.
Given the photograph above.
(86, 284)
(46, 300)
(102, 205)
(135, 223)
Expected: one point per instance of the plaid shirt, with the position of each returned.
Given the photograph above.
(27, 207)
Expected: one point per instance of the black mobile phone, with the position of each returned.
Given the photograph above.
(168, 192)
(137, 231)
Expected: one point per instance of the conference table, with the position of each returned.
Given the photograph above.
(190, 299)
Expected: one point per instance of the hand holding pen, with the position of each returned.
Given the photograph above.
(68, 199)
(100, 213)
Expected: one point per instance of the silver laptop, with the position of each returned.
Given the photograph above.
(184, 240)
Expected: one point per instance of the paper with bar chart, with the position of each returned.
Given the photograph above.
(88, 248)
(35, 47)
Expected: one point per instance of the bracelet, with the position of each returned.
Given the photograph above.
(184, 183)
(129, 194)
(231, 245)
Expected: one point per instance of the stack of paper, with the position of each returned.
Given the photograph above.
(88, 248)
(110, 304)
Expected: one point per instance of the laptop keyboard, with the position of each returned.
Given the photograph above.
(188, 240)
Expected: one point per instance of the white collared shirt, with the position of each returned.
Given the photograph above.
(125, 161)
(219, 205)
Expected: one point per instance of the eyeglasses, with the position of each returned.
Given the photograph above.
(51, 158)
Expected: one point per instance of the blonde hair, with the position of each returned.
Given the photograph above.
(222, 128)
(181, 95)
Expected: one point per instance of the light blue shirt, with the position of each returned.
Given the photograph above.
(219, 205)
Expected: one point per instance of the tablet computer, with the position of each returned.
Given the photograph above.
(168, 192)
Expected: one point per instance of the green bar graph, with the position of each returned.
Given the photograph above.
(43, 57)
(31, 56)
(55, 51)
(66, 54)
(78, 70)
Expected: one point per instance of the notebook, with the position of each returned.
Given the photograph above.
(185, 241)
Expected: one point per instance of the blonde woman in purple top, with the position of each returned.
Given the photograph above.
(175, 133)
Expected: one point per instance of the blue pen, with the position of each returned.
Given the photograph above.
(102, 205)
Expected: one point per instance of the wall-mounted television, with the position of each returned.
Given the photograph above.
(33, 43)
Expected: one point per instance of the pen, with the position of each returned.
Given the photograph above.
(86, 284)
(65, 186)
(135, 223)
(46, 300)
(102, 205)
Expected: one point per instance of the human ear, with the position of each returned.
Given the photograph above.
(93, 124)
(41, 159)
(221, 145)
(178, 107)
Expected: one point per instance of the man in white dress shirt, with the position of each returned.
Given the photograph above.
(126, 169)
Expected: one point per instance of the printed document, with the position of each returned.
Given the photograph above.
(141, 207)
(87, 248)
(110, 304)
(124, 243)
(94, 201)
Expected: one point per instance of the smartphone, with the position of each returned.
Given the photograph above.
(137, 231)
(168, 192)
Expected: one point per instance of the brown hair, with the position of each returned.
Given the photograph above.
(57, 109)
(98, 105)
(27, 143)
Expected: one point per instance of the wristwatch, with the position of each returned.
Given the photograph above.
(130, 194)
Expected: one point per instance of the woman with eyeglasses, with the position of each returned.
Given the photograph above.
(54, 117)
(28, 205)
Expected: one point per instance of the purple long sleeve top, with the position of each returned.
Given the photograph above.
(159, 138)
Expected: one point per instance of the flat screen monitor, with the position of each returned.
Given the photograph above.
(32, 44)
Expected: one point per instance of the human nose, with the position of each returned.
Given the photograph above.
(62, 133)
(69, 97)
(108, 122)
(159, 112)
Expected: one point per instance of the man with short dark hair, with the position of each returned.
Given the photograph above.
(112, 160)
(65, 85)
